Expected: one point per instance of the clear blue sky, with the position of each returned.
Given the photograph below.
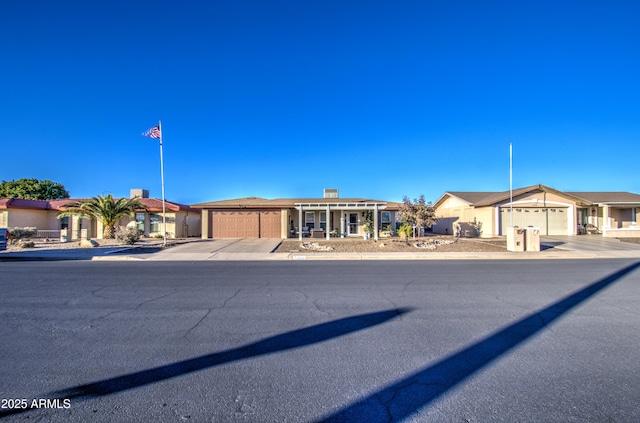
(284, 98)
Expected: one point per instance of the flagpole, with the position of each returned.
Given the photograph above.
(164, 214)
(511, 183)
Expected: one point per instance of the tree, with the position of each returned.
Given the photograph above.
(33, 189)
(104, 209)
(417, 213)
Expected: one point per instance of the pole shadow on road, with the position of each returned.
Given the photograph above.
(389, 404)
(283, 342)
(399, 400)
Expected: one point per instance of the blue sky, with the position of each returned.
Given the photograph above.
(284, 98)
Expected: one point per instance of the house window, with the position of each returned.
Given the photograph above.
(323, 220)
(309, 219)
(385, 220)
(154, 222)
(140, 221)
(64, 222)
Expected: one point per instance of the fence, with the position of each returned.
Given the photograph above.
(47, 234)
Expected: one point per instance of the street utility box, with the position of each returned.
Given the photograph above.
(532, 239)
(3, 238)
(515, 239)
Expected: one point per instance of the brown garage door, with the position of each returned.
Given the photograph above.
(246, 224)
(270, 224)
(235, 224)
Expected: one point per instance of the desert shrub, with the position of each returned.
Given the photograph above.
(27, 244)
(16, 234)
(128, 236)
(405, 229)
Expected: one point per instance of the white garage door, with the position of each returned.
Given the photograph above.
(551, 221)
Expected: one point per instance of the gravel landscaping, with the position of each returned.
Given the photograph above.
(425, 244)
(40, 245)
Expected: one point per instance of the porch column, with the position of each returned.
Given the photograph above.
(633, 216)
(300, 223)
(375, 222)
(204, 223)
(341, 224)
(605, 218)
(328, 222)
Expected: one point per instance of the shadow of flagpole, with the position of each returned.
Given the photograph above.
(290, 340)
(399, 400)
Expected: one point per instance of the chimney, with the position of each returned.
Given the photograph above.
(138, 192)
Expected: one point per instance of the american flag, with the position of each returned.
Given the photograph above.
(153, 132)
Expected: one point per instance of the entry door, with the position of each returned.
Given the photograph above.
(353, 224)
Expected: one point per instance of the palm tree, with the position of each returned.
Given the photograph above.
(107, 210)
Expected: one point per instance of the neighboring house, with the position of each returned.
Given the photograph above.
(182, 220)
(254, 217)
(488, 214)
(42, 215)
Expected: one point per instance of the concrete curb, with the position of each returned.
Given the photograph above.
(299, 256)
(327, 256)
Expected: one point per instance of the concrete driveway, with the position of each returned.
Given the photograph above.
(216, 249)
(587, 243)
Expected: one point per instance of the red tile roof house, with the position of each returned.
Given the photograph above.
(182, 220)
(488, 214)
(255, 217)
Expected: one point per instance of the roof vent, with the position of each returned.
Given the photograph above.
(331, 193)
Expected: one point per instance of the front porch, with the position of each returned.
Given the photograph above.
(328, 220)
(611, 220)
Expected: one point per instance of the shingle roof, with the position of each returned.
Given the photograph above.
(608, 197)
(279, 203)
(471, 197)
(481, 199)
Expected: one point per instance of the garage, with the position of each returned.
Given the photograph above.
(246, 224)
(551, 221)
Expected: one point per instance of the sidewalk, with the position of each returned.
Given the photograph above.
(239, 250)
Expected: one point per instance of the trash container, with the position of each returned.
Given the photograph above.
(515, 239)
(3, 238)
(532, 239)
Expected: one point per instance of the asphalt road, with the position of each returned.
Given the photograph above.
(454, 341)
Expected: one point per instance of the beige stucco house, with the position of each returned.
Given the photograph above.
(40, 214)
(182, 220)
(488, 214)
(255, 217)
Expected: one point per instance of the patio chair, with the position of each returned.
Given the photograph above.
(305, 231)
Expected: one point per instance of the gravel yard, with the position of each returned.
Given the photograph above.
(40, 245)
(426, 244)
(338, 245)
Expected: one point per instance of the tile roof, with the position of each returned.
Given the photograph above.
(23, 203)
(152, 204)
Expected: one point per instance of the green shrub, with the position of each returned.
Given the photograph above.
(16, 234)
(405, 229)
